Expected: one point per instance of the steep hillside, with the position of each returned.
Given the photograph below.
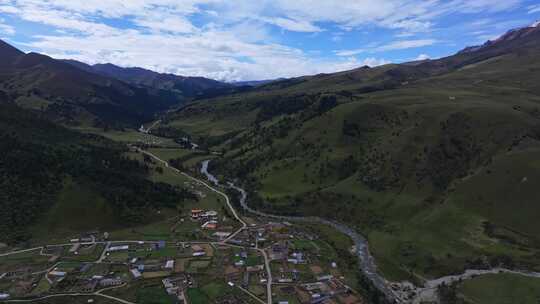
(72, 96)
(435, 161)
(44, 166)
(187, 87)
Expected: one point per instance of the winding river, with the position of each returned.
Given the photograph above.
(365, 259)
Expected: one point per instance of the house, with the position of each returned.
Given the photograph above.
(196, 213)
(245, 282)
(75, 248)
(136, 273)
(196, 248)
(55, 273)
(110, 282)
(239, 263)
(85, 267)
(197, 251)
(255, 268)
(221, 235)
(278, 252)
(159, 245)
(211, 225)
(169, 264)
(118, 248)
(90, 286)
(210, 214)
(325, 277)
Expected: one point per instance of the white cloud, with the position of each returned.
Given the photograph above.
(397, 45)
(533, 9)
(422, 57)
(406, 44)
(372, 62)
(215, 54)
(347, 53)
(6, 29)
(293, 25)
(226, 39)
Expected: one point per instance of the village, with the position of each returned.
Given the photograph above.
(230, 267)
(203, 252)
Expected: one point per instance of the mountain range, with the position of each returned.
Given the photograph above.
(77, 94)
(435, 161)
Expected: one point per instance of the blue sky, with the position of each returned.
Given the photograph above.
(236, 40)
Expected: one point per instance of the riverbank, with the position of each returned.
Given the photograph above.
(403, 292)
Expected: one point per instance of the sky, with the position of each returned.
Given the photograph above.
(239, 40)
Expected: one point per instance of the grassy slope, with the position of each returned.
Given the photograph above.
(501, 289)
(59, 182)
(77, 208)
(411, 172)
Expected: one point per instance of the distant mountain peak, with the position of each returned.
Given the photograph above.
(511, 35)
(8, 53)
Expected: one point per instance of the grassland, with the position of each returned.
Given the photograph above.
(76, 300)
(439, 172)
(78, 208)
(30, 259)
(130, 136)
(500, 289)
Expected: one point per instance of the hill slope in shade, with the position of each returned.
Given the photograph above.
(73, 96)
(187, 87)
(436, 162)
(69, 180)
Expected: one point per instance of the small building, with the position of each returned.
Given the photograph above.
(210, 214)
(110, 282)
(85, 267)
(196, 213)
(325, 277)
(55, 273)
(239, 263)
(169, 264)
(211, 225)
(256, 268)
(89, 286)
(75, 248)
(118, 248)
(197, 250)
(221, 235)
(136, 273)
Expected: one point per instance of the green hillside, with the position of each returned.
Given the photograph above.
(435, 162)
(55, 179)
